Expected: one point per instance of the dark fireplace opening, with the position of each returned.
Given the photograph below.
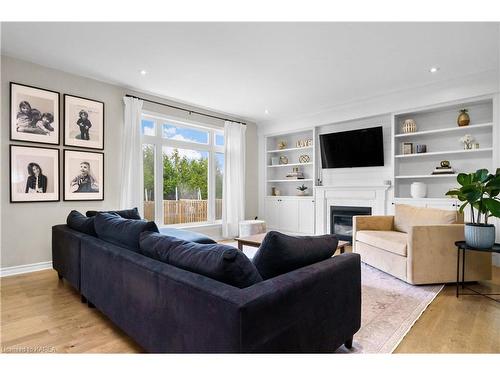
(341, 220)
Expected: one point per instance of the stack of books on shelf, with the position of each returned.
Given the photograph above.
(443, 170)
(295, 176)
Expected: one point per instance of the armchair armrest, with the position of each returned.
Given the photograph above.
(432, 255)
(372, 223)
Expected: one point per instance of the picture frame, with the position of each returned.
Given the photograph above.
(33, 174)
(83, 122)
(407, 148)
(83, 175)
(34, 114)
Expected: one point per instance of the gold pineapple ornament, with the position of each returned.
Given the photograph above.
(463, 118)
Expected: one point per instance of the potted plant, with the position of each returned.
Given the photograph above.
(302, 189)
(479, 191)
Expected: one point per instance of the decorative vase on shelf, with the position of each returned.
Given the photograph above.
(463, 118)
(409, 126)
(418, 190)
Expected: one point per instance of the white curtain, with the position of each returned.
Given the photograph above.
(233, 206)
(131, 187)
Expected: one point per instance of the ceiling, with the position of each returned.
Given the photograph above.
(290, 69)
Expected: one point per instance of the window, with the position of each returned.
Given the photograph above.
(184, 164)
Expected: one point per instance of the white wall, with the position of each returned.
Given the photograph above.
(26, 227)
(369, 112)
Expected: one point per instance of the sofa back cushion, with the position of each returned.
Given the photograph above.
(122, 232)
(132, 213)
(407, 216)
(219, 262)
(80, 223)
(280, 253)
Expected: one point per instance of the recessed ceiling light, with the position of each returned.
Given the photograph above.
(434, 69)
(266, 111)
(143, 72)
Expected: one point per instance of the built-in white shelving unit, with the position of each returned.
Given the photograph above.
(437, 129)
(286, 159)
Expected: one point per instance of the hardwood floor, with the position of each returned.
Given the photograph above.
(468, 324)
(42, 314)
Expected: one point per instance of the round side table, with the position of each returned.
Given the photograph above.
(462, 246)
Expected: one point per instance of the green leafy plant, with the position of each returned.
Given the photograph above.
(302, 188)
(479, 191)
(464, 110)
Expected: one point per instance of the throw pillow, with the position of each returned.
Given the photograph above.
(120, 231)
(406, 216)
(280, 253)
(219, 262)
(77, 221)
(132, 213)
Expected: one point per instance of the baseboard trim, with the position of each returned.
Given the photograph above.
(25, 268)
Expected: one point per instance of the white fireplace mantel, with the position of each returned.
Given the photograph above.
(374, 196)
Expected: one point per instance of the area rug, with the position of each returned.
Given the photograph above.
(389, 309)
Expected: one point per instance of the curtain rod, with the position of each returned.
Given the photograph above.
(184, 109)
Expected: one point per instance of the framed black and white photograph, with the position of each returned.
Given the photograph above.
(34, 174)
(83, 122)
(34, 114)
(83, 176)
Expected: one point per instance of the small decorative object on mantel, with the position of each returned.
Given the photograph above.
(467, 141)
(302, 190)
(273, 191)
(418, 190)
(283, 160)
(421, 149)
(480, 192)
(304, 159)
(444, 168)
(463, 118)
(281, 145)
(409, 126)
(407, 148)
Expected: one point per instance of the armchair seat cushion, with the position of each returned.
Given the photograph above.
(394, 242)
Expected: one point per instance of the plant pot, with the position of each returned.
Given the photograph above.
(301, 193)
(480, 236)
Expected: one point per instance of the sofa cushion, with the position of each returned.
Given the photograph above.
(132, 213)
(122, 232)
(80, 223)
(280, 253)
(394, 242)
(186, 235)
(407, 216)
(219, 262)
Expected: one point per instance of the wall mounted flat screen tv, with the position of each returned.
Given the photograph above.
(354, 148)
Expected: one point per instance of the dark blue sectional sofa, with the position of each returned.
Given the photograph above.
(312, 309)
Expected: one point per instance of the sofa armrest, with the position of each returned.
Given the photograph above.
(432, 255)
(316, 308)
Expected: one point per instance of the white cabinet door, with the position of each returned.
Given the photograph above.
(289, 215)
(272, 208)
(306, 216)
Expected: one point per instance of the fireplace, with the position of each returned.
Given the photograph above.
(341, 220)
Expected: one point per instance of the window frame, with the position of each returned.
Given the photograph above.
(158, 142)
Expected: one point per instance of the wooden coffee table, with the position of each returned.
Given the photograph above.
(256, 240)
